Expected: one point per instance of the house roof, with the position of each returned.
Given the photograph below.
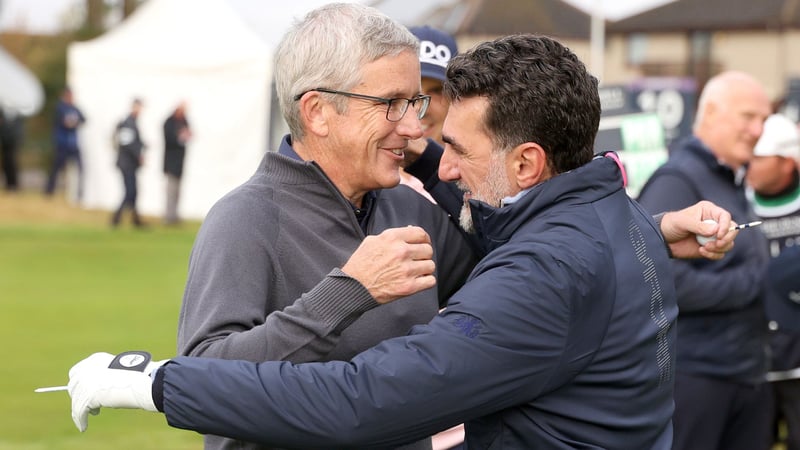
(683, 15)
(500, 17)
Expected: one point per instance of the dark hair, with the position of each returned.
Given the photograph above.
(538, 91)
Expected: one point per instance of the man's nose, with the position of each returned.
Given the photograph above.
(448, 166)
(410, 126)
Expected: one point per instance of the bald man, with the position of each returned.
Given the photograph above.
(721, 399)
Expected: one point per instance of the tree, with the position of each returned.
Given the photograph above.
(128, 6)
(95, 14)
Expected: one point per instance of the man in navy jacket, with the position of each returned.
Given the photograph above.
(721, 395)
(562, 337)
(68, 118)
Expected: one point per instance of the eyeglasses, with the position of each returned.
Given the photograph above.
(396, 107)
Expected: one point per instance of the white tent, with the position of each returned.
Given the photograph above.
(170, 50)
(20, 90)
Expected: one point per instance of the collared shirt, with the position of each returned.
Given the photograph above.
(515, 198)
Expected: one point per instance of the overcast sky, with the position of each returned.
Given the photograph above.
(48, 16)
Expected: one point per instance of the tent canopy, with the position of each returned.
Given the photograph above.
(166, 52)
(20, 90)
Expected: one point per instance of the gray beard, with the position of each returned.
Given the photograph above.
(497, 186)
(465, 219)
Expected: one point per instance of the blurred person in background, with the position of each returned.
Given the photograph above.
(435, 50)
(423, 154)
(129, 145)
(177, 134)
(68, 119)
(721, 395)
(11, 134)
(774, 191)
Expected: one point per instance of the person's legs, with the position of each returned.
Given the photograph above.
(750, 426)
(132, 193)
(129, 197)
(59, 160)
(79, 163)
(8, 149)
(702, 406)
(776, 417)
(787, 394)
(117, 216)
(173, 193)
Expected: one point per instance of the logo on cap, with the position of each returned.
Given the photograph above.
(432, 53)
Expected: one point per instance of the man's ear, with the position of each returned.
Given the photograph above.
(711, 109)
(314, 113)
(529, 165)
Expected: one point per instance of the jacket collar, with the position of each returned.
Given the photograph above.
(363, 213)
(700, 150)
(597, 179)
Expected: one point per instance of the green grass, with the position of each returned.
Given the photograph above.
(66, 291)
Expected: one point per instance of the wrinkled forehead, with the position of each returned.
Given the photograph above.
(392, 75)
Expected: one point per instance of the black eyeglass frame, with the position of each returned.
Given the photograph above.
(426, 101)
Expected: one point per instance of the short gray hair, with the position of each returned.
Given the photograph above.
(328, 47)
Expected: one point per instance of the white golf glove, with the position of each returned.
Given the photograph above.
(106, 380)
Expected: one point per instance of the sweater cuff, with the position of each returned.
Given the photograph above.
(339, 300)
(427, 164)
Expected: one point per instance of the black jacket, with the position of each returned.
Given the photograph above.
(129, 144)
(174, 145)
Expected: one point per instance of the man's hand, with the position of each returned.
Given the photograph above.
(394, 264)
(680, 229)
(93, 385)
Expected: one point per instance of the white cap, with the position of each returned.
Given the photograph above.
(779, 138)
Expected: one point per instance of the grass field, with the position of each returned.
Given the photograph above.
(70, 286)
